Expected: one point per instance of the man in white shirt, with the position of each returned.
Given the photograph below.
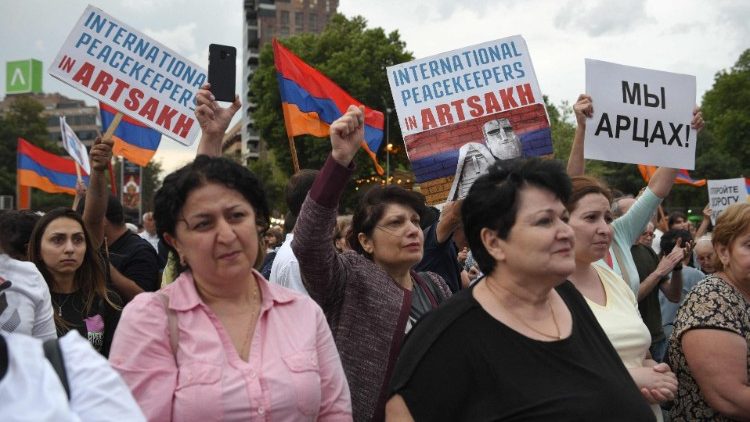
(31, 390)
(285, 268)
(149, 230)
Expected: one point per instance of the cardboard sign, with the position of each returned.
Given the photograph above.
(122, 67)
(641, 116)
(463, 110)
(723, 193)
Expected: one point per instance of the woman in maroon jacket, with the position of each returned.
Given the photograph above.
(370, 295)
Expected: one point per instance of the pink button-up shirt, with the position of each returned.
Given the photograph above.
(293, 373)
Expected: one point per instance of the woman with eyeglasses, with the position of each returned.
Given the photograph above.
(370, 295)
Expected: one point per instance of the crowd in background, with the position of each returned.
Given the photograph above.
(542, 295)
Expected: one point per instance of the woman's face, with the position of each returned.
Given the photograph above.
(216, 234)
(590, 220)
(736, 258)
(63, 247)
(397, 240)
(540, 243)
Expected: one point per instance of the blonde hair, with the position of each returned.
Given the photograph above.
(733, 222)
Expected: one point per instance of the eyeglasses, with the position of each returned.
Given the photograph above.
(648, 234)
(399, 227)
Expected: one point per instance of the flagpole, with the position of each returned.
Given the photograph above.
(112, 126)
(293, 149)
(78, 172)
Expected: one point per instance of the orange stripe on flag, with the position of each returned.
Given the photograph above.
(140, 156)
(33, 179)
(301, 123)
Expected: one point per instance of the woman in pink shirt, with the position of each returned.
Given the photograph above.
(221, 343)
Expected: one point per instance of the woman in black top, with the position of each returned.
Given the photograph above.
(522, 344)
(61, 248)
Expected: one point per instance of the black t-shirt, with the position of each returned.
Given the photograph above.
(136, 259)
(646, 262)
(98, 325)
(461, 364)
(441, 259)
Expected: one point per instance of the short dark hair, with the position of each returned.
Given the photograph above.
(493, 199)
(15, 232)
(297, 187)
(371, 208)
(114, 214)
(669, 240)
(170, 199)
(673, 216)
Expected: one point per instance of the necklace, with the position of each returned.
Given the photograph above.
(521, 320)
(60, 305)
(245, 349)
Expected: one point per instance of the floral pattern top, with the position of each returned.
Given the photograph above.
(714, 304)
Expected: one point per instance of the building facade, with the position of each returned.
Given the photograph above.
(83, 119)
(264, 20)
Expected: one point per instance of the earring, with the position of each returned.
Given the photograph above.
(183, 261)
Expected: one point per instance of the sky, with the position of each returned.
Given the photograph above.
(686, 36)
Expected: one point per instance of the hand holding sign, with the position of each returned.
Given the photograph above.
(583, 109)
(101, 153)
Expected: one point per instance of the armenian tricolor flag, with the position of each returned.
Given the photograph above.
(43, 170)
(682, 178)
(311, 102)
(133, 140)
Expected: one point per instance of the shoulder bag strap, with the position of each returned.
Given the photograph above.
(621, 263)
(171, 324)
(54, 355)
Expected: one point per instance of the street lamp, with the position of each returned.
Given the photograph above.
(388, 146)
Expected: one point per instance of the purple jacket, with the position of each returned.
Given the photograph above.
(366, 309)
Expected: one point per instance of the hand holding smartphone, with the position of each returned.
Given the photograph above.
(221, 71)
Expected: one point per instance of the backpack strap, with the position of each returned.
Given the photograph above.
(174, 335)
(54, 355)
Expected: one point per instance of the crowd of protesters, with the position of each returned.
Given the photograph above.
(542, 295)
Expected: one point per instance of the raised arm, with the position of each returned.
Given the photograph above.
(703, 228)
(214, 121)
(97, 195)
(323, 269)
(583, 109)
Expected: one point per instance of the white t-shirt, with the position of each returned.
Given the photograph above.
(285, 268)
(153, 240)
(622, 323)
(31, 389)
(26, 307)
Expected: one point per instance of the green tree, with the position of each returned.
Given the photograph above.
(24, 120)
(150, 183)
(355, 58)
(274, 182)
(726, 110)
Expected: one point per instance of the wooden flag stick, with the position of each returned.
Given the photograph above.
(112, 126)
(78, 171)
(293, 149)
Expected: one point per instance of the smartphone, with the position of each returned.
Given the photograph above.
(222, 62)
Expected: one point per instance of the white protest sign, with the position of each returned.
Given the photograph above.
(463, 84)
(641, 116)
(74, 146)
(723, 193)
(465, 109)
(118, 65)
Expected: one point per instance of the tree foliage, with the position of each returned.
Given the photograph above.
(355, 58)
